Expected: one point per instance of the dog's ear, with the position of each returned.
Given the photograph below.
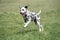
(26, 7)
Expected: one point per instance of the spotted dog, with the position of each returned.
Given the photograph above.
(30, 16)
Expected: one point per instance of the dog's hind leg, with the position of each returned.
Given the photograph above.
(39, 25)
(35, 21)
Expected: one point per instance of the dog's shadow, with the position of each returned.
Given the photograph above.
(26, 31)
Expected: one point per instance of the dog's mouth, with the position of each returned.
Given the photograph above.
(23, 14)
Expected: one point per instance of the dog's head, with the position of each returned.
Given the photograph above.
(23, 10)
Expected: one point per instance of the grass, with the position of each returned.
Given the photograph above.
(11, 22)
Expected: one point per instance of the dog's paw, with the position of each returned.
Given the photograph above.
(24, 26)
(41, 29)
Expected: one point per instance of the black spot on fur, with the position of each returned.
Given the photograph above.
(35, 21)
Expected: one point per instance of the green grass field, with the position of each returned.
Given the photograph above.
(11, 22)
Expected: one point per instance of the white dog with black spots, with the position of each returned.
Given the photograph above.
(30, 16)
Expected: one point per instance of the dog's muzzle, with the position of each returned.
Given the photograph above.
(23, 14)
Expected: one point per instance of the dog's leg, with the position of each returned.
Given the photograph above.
(35, 21)
(40, 26)
(38, 23)
(25, 19)
(29, 20)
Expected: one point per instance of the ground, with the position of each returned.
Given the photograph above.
(11, 22)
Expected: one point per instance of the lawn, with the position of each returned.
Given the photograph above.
(11, 22)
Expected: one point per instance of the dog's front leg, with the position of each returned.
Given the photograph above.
(26, 24)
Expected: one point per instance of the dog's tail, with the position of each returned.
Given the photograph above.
(39, 12)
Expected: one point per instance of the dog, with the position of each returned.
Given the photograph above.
(30, 16)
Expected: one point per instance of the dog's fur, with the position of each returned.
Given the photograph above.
(30, 16)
